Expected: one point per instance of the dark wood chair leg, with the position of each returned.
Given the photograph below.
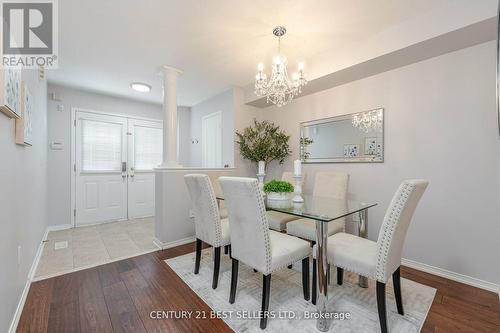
(266, 290)
(314, 292)
(226, 249)
(198, 256)
(305, 278)
(234, 280)
(328, 274)
(340, 276)
(382, 314)
(215, 279)
(290, 266)
(396, 281)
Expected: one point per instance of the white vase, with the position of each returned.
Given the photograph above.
(278, 196)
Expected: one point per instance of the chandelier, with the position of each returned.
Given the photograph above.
(368, 121)
(279, 89)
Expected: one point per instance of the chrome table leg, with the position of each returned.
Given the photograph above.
(322, 323)
(363, 232)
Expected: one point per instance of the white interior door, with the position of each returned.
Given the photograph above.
(145, 146)
(211, 138)
(100, 167)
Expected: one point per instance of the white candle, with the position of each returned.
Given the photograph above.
(297, 168)
(262, 167)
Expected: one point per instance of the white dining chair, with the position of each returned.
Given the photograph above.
(209, 227)
(326, 184)
(378, 260)
(277, 220)
(214, 179)
(254, 244)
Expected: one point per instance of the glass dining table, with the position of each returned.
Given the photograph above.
(324, 210)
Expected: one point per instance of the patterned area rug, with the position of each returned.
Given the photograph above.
(354, 308)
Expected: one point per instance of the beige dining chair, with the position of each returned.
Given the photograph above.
(254, 244)
(209, 227)
(214, 179)
(326, 184)
(381, 259)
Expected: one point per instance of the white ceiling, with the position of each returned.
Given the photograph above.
(105, 45)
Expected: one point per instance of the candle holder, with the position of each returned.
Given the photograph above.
(298, 189)
(261, 176)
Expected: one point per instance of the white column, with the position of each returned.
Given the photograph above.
(170, 76)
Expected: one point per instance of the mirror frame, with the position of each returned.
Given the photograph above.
(342, 159)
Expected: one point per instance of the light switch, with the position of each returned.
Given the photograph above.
(56, 145)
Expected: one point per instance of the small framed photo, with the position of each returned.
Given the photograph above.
(351, 150)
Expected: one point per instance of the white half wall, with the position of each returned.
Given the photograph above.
(440, 124)
(23, 203)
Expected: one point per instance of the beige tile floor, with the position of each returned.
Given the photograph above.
(95, 245)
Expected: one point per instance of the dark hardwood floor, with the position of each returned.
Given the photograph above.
(118, 297)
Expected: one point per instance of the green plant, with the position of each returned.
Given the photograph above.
(263, 142)
(278, 186)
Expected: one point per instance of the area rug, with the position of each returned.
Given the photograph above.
(354, 309)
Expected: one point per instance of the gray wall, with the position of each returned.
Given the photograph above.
(184, 135)
(59, 129)
(440, 124)
(23, 205)
(223, 102)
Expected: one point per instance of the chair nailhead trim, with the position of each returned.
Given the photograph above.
(389, 227)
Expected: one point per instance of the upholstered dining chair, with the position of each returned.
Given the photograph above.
(254, 244)
(378, 260)
(209, 227)
(277, 220)
(214, 179)
(326, 184)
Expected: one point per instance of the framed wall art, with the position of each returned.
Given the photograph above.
(10, 91)
(24, 124)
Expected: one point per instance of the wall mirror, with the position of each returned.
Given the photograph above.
(357, 137)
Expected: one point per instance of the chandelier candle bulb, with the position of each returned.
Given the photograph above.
(297, 168)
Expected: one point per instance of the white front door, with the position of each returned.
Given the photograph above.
(114, 161)
(145, 153)
(211, 137)
(101, 156)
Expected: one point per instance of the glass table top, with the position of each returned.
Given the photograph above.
(317, 208)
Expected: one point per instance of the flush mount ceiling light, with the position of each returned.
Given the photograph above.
(141, 87)
(279, 89)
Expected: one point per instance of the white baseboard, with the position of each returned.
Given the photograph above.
(168, 245)
(58, 227)
(472, 281)
(31, 275)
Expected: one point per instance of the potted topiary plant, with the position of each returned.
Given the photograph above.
(278, 190)
(263, 141)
